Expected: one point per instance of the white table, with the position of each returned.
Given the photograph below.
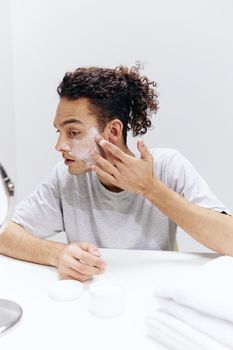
(48, 324)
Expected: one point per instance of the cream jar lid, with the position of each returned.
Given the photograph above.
(66, 290)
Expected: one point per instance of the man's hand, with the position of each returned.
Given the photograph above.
(122, 170)
(80, 261)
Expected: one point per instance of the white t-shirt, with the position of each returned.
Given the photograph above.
(83, 208)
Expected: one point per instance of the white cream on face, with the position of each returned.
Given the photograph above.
(80, 149)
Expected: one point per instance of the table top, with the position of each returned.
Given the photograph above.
(48, 323)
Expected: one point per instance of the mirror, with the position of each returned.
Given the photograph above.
(10, 312)
(6, 192)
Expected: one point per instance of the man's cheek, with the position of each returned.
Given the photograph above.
(80, 149)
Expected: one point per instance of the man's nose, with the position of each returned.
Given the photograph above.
(62, 146)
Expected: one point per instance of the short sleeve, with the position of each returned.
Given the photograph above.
(41, 212)
(181, 176)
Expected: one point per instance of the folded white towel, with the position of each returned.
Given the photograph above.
(196, 309)
(208, 289)
(177, 335)
(217, 329)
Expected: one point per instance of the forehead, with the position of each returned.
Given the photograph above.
(70, 111)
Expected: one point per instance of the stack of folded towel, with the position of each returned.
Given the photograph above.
(196, 312)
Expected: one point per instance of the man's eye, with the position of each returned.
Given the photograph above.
(73, 133)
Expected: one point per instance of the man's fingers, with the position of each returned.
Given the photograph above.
(80, 261)
(84, 268)
(105, 164)
(89, 247)
(92, 260)
(86, 257)
(114, 150)
(103, 174)
(143, 150)
(70, 273)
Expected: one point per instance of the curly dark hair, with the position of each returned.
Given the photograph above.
(114, 93)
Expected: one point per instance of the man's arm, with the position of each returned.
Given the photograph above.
(213, 229)
(16, 242)
(76, 261)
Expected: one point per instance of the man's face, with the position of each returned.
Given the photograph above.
(77, 127)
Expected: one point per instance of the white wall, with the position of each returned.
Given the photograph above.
(187, 47)
(7, 126)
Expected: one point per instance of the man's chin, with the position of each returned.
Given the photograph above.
(78, 171)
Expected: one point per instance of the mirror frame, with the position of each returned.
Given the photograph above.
(10, 312)
(9, 189)
(7, 182)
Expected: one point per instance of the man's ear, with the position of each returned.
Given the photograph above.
(115, 129)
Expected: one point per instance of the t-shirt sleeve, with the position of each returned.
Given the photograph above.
(181, 176)
(41, 212)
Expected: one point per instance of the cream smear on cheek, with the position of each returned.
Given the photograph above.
(80, 149)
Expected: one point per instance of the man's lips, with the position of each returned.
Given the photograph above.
(68, 161)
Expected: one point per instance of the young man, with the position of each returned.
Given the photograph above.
(104, 195)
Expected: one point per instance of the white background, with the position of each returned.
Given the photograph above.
(187, 48)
